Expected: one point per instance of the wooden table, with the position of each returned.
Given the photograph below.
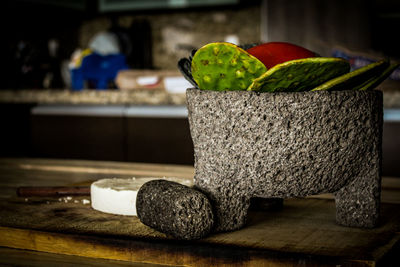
(48, 231)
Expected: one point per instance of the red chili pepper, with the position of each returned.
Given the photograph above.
(278, 52)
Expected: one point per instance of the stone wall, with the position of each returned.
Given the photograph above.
(175, 33)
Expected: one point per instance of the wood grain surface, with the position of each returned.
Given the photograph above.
(304, 231)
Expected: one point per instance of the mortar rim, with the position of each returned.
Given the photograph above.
(321, 92)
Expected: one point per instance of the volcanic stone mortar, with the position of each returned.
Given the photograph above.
(284, 145)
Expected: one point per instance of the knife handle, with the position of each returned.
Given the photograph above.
(54, 191)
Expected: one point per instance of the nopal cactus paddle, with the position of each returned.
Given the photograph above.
(300, 74)
(356, 79)
(225, 67)
(374, 82)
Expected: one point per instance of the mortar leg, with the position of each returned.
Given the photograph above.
(357, 204)
(230, 212)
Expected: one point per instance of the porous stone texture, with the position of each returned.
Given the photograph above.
(174, 209)
(283, 145)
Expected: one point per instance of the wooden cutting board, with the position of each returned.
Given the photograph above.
(304, 231)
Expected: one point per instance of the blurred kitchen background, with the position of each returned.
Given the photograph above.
(98, 79)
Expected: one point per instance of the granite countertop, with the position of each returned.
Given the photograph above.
(391, 98)
(103, 97)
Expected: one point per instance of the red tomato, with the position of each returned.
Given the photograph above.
(278, 52)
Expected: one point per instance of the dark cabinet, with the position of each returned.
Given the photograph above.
(15, 130)
(391, 148)
(165, 140)
(83, 137)
(115, 137)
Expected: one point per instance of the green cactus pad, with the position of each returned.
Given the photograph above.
(355, 80)
(374, 82)
(300, 74)
(225, 67)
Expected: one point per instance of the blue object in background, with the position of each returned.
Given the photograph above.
(98, 69)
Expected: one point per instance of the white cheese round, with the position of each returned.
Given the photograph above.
(118, 196)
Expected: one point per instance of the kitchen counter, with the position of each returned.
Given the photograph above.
(99, 97)
(391, 98)
(69, 232)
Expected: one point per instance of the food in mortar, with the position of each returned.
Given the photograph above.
(276, 67)
(300, 74)
(273, 53)
(225, 66)
(364, 78)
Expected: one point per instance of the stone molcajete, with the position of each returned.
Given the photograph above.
(287, 144)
